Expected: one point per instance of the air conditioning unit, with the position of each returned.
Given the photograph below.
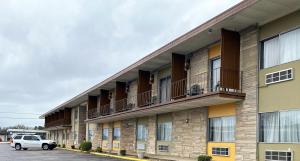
(163, 148)
(278, 155)
(279, 76)
(220, 151)
(116, 145)
(141, 146)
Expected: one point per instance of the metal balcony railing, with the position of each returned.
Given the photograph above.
(217, 80)
(58, 122)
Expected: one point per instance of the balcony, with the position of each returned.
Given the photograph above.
(58, 120)
(205, 89)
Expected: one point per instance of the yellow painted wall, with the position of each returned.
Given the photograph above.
(230, 157)
(222, 110)
(116, 143)
(214, 51)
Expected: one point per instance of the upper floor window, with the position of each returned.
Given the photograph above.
(281, 49)
(280, 127)
(116, 133)
(222, 129)
(165, 89)
(164, 131)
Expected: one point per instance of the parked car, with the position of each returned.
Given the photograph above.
(31, 141)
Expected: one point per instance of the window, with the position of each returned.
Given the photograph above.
(18, 137)
(220, 151)
(278, 156)
(116, 133)
(90, 135)
(165, 89)
(35, 138)
(279, 76)
(105, 134)
(142, 132)
(281, 49)
(164, 131)
(215, 74)
(280, 127)
(222, 129)
(27, 138)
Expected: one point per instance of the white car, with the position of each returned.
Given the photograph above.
(31, 141)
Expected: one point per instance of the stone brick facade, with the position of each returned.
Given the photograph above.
(247, 109)
(128, 135)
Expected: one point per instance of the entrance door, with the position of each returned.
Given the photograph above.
(215, 74)
(165, 89)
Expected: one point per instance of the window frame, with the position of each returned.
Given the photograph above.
(143, 138)
(116, 138)
(222, 141)
(260, 127)
(158, 135)
(106, 137)
(261, 48)
(226, 155)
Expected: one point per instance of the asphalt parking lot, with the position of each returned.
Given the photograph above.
(9, 154)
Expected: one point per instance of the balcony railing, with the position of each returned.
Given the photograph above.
(58, 122)
(93, 113)
(125, 104)
(217, 80)
(105, 110)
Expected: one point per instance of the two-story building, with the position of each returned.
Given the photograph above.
(227, 89)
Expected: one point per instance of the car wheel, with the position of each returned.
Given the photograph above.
(18, 147)
(45, 146)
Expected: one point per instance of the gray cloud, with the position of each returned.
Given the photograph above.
(52, 50)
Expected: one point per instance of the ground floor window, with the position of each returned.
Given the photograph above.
(222, 129)
(164, 131)
(142, 132)
(116, 133)
(105, 134)
(280, 127)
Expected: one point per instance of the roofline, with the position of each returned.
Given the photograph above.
(204, 26)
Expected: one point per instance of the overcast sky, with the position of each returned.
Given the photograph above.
(51, 50)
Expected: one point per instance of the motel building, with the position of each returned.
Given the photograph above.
(228, 88)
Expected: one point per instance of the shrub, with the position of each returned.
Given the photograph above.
(64, 146)
(85, 146)
(122, 152)
(204, 158)
(58, 145)
(99, 149)
(72, 146)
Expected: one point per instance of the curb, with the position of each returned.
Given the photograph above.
(117, 156)
(104, 154)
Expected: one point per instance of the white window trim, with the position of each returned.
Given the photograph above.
(220, 154)
(292, 76)
(289, 150)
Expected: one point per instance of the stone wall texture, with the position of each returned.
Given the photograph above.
(247, 110)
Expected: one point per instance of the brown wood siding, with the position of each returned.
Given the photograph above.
(230, 59)
(143, 86)
(92, 102)
(120, 90)
(121, 96)
(178, 79)
(68, 116)
(104, 101)
(104, 97)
